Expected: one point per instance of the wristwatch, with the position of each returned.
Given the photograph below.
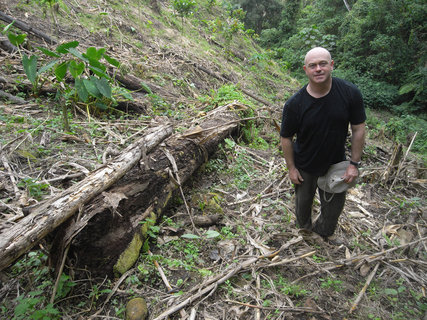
(356, 164)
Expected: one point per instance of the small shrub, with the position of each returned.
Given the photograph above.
(376, 94)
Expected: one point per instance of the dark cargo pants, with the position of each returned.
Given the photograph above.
(332, 205)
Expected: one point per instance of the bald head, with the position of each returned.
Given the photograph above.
(318, 52)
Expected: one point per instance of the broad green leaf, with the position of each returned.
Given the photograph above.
(390, 291)
(61, 71)
(101, 105)
(97, 64)
(99, 72)
(123, 92)
(22, 307)
(212, 234)
(16, 40)
(65, 47)
(81, 90)
(48, 52)
(47, 67)
(90, 85)
(76, 69)
(92, 53)
(30, 67)
(104, 87)
(126, 95)
(77, 54)
(146, 88)
(407, 88)
(112, 61)
(190, 236)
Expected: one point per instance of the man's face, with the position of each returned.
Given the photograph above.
(318, 66)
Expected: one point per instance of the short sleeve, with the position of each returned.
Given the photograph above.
(289, 121)
(357, 109)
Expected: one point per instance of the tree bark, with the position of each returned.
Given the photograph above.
(21, 237)
(347, 5)
(6, 45)
(111, 241)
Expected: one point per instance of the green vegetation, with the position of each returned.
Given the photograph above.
(378, 45)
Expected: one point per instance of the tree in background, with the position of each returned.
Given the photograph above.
(261, 15)
(385, 41)
(378, 44)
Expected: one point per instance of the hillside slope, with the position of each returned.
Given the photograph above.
(251, 262)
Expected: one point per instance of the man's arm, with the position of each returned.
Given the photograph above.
(288, 152)
(357, 144)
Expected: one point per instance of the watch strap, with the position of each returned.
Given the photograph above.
(354, 163)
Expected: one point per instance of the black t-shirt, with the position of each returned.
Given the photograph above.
(321, 125)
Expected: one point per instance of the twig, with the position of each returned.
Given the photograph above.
(177, 181)
(359, 259)
(287, 309)
(258, 286)
(165, 280)
(362, 292)
(162, 274)
(193, 314)
(207, 289)
(372, 257)
(116, 286)
(285, 261)
(278, 192)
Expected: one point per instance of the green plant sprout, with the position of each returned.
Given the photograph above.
(93, 86)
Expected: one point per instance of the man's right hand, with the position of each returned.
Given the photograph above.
(295, 176)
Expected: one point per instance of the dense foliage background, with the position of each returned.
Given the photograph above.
(378, 44)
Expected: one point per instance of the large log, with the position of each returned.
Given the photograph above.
(21, 237)
(111, 241)
(25, 27)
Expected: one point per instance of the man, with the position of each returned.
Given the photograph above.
(319, 115)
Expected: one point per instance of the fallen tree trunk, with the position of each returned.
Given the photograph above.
(25, 27)
(112, 239)
(21, 237)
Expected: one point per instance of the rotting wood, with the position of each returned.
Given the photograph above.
(403, 161)
(111, 240)
(21, 237)
(135, 84)
(25, 27)
(392, 164)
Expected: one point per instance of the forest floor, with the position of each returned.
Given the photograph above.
(252, 263)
